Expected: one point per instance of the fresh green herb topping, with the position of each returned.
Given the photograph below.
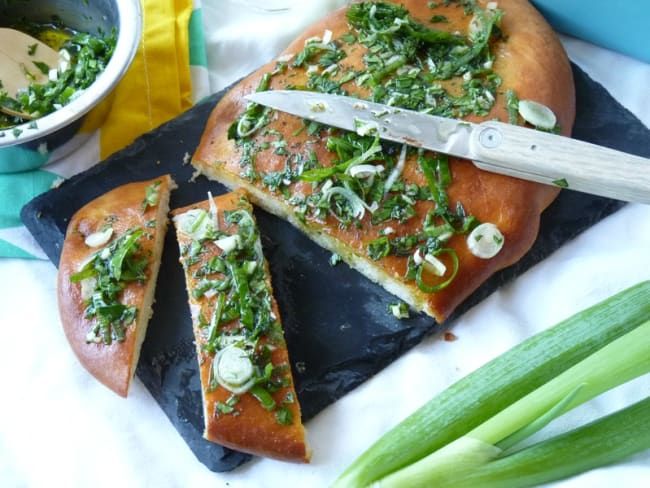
(151, 196)
(104, 276)
(227, 407)
(284, 416)
(89, 55)
(562, 183)
(408, 64)
(238, 298)
(400, 310)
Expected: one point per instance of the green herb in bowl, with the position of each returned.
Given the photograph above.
(85, 57)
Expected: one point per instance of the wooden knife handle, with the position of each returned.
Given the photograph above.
(562, 161)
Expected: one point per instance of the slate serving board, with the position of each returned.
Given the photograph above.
(337, 327)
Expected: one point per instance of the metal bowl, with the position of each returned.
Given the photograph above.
(54, 136)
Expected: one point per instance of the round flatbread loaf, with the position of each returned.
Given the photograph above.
(411, 237)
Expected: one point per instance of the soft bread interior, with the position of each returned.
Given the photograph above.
(146, 311)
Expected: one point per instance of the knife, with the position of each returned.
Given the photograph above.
(492, 146)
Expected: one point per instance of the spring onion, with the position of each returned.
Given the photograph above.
(233, 369)
(615, 363)
(537, 114)
(550, 362)
(627, 429)
(485, 241)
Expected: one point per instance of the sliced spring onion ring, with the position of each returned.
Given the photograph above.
(233, 369)
(356, 203)
(537, 114)
(399, 310)
(195, 223)
(366, 127)
(485, 241)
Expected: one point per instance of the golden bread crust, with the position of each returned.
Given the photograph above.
(112, 364)
(250, 428)
(530, 61)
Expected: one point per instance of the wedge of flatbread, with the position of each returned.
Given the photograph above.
(249, 399)
(428, 228)
(107, 277)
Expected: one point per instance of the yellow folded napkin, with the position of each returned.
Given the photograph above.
(158, 85)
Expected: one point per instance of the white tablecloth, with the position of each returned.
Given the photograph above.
(59, 427)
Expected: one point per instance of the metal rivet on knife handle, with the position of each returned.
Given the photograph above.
(490, 137)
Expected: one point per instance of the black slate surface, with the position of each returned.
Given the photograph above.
(337, 328)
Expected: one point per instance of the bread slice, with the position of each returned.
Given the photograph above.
(418, 224)
(107, 277)
(249, 399)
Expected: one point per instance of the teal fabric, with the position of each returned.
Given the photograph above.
(9, 250)
(16, 189)
(18, 159)
(198, 56)
(620, 26)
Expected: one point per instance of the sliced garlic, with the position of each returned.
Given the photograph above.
(434, 265)
(365, 170)
(214, 213)
(485, 241)
(87, 287)
(99, 238)
(366, 127)
(229, 243)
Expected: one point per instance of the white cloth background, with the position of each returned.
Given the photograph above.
(58, 427)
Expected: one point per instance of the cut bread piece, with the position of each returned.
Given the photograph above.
(249, 399)
(107, 277)
(400, 216)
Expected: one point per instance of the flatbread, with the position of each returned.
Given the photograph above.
(269, 153)
(249, 399)
(122, 233)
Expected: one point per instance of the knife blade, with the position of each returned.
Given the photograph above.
(492, 146)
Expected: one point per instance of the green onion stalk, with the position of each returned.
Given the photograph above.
(468, 435)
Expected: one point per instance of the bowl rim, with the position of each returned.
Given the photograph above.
(128, 42)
